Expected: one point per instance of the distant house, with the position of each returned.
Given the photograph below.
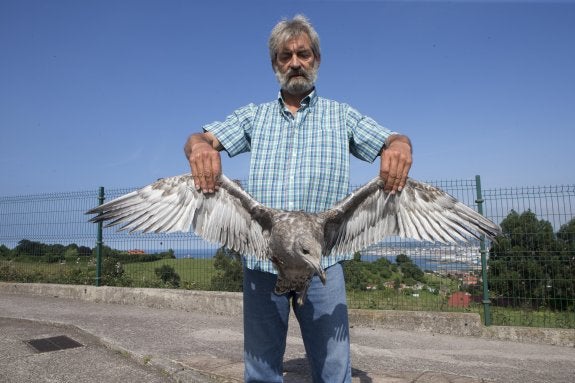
(136, 251)
(392, 285)
(459, 299)
(418, 286)
(371, 287)
(389, 285)
(470, 280)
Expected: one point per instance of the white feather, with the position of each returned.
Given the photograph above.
(173, 204)
(232, 218)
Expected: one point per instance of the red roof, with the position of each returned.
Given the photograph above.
(459, 299)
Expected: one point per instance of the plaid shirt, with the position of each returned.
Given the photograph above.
(299, 162)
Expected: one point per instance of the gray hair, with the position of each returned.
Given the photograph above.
(286, 30)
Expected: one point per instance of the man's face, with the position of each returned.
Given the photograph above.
(296, 66)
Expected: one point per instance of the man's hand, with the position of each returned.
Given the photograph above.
(396, 161)
(202, 151)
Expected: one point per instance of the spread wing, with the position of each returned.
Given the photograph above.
(230, 216)
(420, 211)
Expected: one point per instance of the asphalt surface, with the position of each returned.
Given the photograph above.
(129, 343)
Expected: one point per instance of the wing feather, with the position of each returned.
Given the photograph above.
(173, 204)
(420, 212)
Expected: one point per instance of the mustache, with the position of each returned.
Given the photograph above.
(297, 72)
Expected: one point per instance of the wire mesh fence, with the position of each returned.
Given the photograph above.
(532, 268)
(401, 274)
(530, 272)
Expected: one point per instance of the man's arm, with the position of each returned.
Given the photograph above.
(203, 153)
(396, 160)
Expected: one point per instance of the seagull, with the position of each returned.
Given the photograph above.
(296, 241)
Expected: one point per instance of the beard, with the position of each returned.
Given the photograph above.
(297, 85)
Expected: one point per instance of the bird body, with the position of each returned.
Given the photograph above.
(295, 241)
(296, 248)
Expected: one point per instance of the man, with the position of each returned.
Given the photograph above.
(300, 145)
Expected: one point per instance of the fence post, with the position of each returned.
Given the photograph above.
(99, 241)
(486, 301)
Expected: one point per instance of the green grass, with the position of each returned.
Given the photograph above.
(194, 273)
(505, 316)
(42, 272)
(389, 299)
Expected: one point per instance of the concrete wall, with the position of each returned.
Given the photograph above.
(226, 303)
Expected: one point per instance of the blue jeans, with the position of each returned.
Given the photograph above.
(323, 322)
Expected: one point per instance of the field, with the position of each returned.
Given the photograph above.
(195, 274)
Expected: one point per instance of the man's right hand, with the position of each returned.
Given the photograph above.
(203, 153)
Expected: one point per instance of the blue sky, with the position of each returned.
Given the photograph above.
(105, 92)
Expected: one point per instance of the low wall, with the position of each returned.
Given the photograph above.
(228, 303)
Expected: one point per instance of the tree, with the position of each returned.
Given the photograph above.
(566, 236)
(84, 251)
(27, 247)
(229, 271)
(525, 266)
(359, 275)
(113, 273)
(168, 275)
(107, 251)
(4, 251)
(169, 254)
(56, 250)
(353, 273)
(411, 272)
(71, 252)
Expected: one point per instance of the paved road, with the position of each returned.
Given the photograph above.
(129, 343)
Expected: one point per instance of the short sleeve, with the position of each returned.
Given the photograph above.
(367, 137)
(234, 133)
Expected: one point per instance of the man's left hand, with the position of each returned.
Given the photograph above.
(396, 160)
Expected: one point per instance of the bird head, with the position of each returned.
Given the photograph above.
(311, 252)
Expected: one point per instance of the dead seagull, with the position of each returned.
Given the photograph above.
(295, 241)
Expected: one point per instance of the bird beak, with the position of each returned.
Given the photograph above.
(318, 270)
(321, 274)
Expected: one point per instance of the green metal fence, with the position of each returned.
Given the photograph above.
(527, 278)
(532, 269)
